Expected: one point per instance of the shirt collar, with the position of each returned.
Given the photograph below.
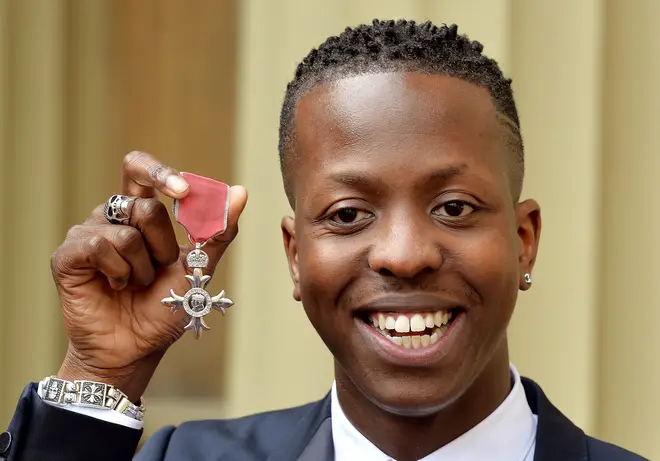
(507, 434)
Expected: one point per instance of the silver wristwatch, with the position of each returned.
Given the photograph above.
(89, 394)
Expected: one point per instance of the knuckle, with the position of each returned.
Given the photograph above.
(150, 210)
(133, 159)
(75, 231)
(56, 262)
(159, 172)
(94, 245)
(128, 238)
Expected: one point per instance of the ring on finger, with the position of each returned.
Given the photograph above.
(117, 210)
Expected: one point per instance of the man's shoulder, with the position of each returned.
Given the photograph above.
(280, 419)
(559, 438)
(600, 450)
(247, 437)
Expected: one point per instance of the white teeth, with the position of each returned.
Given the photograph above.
(438, 322)
(417, 341)
(402, 324)
(438, 319)
(417, 323)
(381, 321)
(428, 321)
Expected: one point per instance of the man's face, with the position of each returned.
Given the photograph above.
(407, 249)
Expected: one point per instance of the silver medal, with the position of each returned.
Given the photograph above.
(197, 302)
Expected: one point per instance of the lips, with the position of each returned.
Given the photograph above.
(410, 321)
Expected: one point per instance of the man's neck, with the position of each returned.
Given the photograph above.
(410, 438)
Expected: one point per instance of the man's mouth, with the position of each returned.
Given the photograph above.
(412, 330)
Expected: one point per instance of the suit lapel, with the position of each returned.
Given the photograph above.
(321, 446)
(556, 436)
(311, 438)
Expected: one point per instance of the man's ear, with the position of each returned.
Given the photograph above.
(529, 233)
(291, 249)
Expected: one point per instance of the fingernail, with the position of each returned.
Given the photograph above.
(176, 184)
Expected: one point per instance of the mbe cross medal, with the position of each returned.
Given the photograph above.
(203, 214)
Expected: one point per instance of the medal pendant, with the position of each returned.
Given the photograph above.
(197, 302)
(203, 214)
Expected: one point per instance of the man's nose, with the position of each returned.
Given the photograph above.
(405, 247)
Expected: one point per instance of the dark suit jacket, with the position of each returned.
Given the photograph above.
(41, 432)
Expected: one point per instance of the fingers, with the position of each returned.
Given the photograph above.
(216, 247)
(130, 253)
(151, 218)
(143, 175)
(125, 254)
(95, 252)
(131, 246)
(118, 252)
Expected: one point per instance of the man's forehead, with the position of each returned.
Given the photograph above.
(395, 101)
(391, 108)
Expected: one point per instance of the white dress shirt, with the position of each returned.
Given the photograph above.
(507, 434)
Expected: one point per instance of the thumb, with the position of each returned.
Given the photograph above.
(217, 245)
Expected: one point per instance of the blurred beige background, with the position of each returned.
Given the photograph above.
(199, 83)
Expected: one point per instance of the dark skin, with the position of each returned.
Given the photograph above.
(403, 192)
(402, 187)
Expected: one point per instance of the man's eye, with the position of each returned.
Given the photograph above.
(348, 216)
(455, 209)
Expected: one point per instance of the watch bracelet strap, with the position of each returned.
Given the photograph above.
(90, 394)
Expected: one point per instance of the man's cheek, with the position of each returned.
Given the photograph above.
(490, 259)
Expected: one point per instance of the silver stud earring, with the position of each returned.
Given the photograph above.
(528, 278)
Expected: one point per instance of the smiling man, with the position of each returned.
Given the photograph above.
(402, 159)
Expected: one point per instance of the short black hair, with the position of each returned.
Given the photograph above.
(399, 46)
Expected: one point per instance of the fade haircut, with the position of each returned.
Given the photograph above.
(400, 46)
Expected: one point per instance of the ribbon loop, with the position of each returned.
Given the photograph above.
(204, 211)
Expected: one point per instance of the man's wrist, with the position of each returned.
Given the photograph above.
(123, 380)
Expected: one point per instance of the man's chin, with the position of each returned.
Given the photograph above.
(413, 400)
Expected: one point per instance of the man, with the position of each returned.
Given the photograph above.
(402, 159)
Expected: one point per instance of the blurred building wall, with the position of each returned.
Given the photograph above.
(584, 84)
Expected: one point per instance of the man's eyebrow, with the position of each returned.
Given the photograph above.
(352, 178)
(444, 174)
(366, 179)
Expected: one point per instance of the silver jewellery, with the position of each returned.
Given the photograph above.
(197, 302)
(89, 394)
(203, 213)
(116, 209)
(528, 278)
